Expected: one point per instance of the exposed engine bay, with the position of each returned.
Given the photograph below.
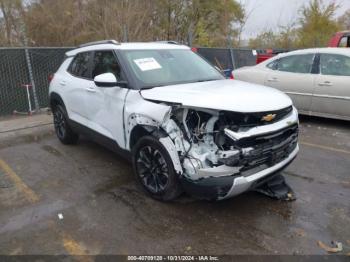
(210, 142)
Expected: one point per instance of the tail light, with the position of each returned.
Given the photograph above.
(50, 77)
(231, 76)
(194, 49)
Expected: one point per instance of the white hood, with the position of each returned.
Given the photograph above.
(229, 95)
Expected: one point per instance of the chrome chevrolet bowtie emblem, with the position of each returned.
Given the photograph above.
(268, 117)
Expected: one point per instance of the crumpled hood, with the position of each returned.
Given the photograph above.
(229, 95)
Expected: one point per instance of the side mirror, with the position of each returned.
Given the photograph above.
(106, 80)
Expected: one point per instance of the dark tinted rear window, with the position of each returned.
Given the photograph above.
(80, 65)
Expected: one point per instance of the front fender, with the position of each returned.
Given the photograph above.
(152, 127)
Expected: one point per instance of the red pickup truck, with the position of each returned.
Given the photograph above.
(340, 39)
(265, 54)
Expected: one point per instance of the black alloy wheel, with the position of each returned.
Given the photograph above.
(63, 131)
(154, 169)
(59, 123)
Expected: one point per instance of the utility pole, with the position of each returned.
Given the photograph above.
(29, 64)
(125, 33)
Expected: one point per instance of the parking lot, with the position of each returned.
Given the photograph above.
(83, 199)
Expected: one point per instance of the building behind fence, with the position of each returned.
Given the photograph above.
(23, 66)
(18, 67)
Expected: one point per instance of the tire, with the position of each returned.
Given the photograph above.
(154, 169)
(63, 131)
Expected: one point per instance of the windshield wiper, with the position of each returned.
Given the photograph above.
(204, 80)
(150, 87)
(169, 84)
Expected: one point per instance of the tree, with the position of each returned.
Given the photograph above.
(56, 23)
(287, 37)
(242, 21)
(218, 19)
(314, 28)
(201, 22)
(344, 21)
(317, 24)
(265, 39)
(71, 22)
(11, 24)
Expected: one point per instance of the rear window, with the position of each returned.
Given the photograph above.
(80, 65)
(336, 65)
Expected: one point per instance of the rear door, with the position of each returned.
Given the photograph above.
(105, 104)
(75, 84)
(293, 75)
(332, 86)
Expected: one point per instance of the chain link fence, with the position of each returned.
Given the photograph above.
(32, 66)
(227, 59)
(26, 66)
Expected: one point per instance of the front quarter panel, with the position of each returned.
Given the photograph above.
(138, 111)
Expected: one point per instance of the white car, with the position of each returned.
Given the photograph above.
(182, 124)
(317, 80)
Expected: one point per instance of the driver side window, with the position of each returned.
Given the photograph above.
(105, 62)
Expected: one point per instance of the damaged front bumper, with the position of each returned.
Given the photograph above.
(227, 185)
(213, 164)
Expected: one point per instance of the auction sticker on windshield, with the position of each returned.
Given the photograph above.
(148, 63)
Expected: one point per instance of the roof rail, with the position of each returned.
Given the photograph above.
(100, 43)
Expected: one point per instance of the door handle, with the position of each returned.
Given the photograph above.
(325, 83)
(91, 89)
(63, 83)
(272, 79)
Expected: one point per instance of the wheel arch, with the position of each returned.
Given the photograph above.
(139, 130)
(56, 99)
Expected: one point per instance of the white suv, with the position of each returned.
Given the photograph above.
(183, 125)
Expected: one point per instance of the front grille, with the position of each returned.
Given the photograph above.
(256, 119)
(269, 149)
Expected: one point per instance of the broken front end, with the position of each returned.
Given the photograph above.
(220, 154)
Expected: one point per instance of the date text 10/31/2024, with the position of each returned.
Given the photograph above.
(173, 258)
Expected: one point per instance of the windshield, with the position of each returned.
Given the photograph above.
(153, 68)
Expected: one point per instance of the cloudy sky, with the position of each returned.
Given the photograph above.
(269, 14)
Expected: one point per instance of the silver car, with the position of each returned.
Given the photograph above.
(317, 80)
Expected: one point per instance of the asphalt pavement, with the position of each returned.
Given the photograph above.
(83, 199)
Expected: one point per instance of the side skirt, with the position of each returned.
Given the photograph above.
(100, 139)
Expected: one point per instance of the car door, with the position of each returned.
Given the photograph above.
(74, 86)
(105, 104)
(332, 86)
(293, 74)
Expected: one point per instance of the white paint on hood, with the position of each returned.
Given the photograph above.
(229, 95)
